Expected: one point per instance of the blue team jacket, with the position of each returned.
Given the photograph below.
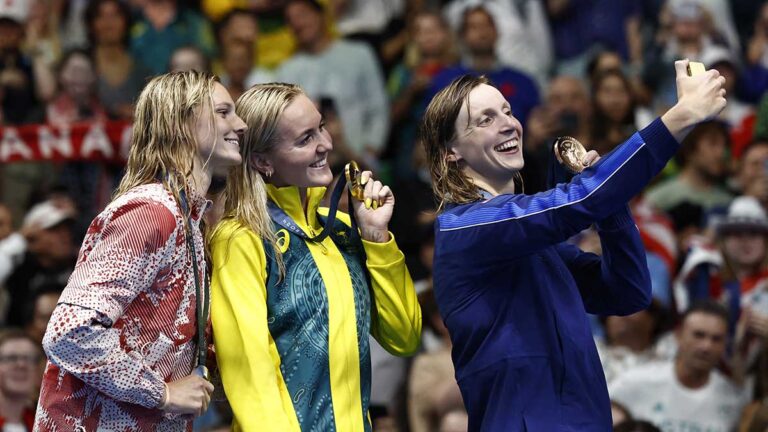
(514, 296)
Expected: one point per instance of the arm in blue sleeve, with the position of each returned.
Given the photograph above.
(516, 224)
(618, 283)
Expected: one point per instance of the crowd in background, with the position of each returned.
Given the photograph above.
(597, 70)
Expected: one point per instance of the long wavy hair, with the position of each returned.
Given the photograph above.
(163, 145)
(438, 131)
(261, 108)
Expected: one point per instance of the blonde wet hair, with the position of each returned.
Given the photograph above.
(164, 147)
(261, 108)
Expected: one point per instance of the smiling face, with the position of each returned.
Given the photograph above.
(488, 143)
(218, 143)
(19, 361)
(300, 157)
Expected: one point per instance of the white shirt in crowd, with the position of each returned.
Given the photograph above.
(652, 392)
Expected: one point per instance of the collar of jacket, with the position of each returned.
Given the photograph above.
(287, 198)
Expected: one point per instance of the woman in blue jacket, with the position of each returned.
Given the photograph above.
(513, 295)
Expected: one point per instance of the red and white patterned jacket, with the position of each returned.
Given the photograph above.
(125, 323)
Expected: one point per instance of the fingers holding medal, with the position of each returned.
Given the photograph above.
(362, 188)
(570, 153)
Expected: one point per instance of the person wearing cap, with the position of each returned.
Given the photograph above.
(130, 327)
(734, 269)
(51, 254)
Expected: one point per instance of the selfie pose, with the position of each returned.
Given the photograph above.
(512, 294)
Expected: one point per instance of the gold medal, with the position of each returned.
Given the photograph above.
(570, 153)
(352, 173)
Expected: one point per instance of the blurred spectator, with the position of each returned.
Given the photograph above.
(275, 44)
(751, 173)
(524, 41)
(732, 268)
(72, 29)
(718, 20)
(238, 26)
(602, 62)
(702, 160)
(76, 99)
(566, 111)
(429, 53)
(188, 57)
(581, 27)
(689, 222)
(739, 116)
(689, 392)
(50, 258)
(479, 36)
(630, 341)
(690, 38)
(757, 49)
(17, 89)
(613, 111)
(346, 72)
(44, 303)
(42, 45)
(120, 77)
(755, 80)
(20, 360)
(237, 68)
(163, 27)
(89, 183)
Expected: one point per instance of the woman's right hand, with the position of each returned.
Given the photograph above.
(189, 395)
(700, 97)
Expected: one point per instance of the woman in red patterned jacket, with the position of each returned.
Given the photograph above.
(122, 343)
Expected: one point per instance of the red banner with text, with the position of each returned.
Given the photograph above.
(99, 142)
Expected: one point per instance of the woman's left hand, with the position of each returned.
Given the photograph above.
(375, 211)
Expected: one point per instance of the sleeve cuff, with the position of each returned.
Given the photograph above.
(617, 221)
(656, 135)
(154, 387)
(379, 254)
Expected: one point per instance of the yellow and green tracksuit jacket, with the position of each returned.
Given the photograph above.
(293, 352)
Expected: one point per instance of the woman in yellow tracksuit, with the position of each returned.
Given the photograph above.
(292, 312)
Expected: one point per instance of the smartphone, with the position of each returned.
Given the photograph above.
(695, 68)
